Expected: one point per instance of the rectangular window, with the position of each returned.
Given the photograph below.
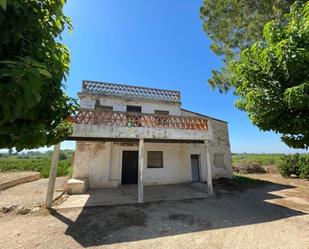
(154, 159)
(133, 120)
(161, 112)
(134, 108)
(98, 106)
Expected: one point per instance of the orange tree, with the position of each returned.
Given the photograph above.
(33, 66)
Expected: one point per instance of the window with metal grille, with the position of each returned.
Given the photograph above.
(154, 159)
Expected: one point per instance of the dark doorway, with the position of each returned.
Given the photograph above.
(129, 167)
(195, 168)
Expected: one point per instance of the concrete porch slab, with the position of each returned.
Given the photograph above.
(127, 194)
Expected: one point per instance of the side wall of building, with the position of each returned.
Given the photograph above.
(219, 147)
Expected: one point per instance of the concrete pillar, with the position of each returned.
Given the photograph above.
(52, 176)
(209, 171)
(140, 184)
(109, 160)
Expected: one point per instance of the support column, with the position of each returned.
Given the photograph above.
(52, 176)
(140, 184)
(209, 171)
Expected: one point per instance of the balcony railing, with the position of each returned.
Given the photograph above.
(129, 119)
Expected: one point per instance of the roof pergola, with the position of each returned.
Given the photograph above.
(111, 89)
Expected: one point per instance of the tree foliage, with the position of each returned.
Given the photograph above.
(272, 78)
(33, 64)
(233, 25)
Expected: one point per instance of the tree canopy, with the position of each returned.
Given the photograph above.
(233, 25)
(33, 64)
(271, 78)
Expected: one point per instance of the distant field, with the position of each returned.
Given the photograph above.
(262, 159)
(39, 162)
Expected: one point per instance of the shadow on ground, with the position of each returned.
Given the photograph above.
(235, 204)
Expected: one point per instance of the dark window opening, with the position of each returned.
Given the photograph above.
(134, 120)
(154, 159)
(134, 108)
(98, 106)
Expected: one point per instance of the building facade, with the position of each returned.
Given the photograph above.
(137, 135)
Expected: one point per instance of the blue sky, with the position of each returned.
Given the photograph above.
(161, 44)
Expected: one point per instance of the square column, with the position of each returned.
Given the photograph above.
(209, 171)
(52, 176)
(140, 184)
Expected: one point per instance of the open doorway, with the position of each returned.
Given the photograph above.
(129, 167)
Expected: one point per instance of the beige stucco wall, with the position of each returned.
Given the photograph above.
(101, 163)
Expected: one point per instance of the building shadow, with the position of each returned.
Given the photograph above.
(235, 204)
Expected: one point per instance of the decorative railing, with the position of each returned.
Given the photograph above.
(126, 90)
(129, 119)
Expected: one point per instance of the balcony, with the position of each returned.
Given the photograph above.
(113, 124)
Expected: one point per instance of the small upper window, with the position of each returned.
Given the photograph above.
(161, 112)
(134, 108)
(154, 159)
(98, 106)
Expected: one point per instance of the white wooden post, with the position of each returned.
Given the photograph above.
(209, 171)
(52, 176)
(140, 184)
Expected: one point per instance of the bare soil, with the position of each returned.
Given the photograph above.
(241, 215)
(29, 195)
(10, 176)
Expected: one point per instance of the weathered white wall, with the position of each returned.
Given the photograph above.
(106, 131)
(219, 143)
(101, 163)
(120, 104)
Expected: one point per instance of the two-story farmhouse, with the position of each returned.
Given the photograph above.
(137, 135)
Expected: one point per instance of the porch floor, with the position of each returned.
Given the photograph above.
(127, 194)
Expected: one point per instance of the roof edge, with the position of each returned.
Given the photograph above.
(202, 115)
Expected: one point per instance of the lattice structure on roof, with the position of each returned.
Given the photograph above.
(126, 90)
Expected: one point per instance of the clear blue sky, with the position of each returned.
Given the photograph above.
(161, 44)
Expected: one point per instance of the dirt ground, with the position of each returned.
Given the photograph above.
(10, 176)
(241, 215)
(29, 195)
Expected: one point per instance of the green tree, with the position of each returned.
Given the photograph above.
(233, 25)
(272, 78)
(33, 64)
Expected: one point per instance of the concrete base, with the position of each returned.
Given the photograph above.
(127, 194)
(77, 186)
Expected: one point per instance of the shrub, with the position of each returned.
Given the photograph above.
(246, 166)
(62, 156)
(297, 165)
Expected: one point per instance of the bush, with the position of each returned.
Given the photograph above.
(62, 156)
(297, 165)
(246, 166)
